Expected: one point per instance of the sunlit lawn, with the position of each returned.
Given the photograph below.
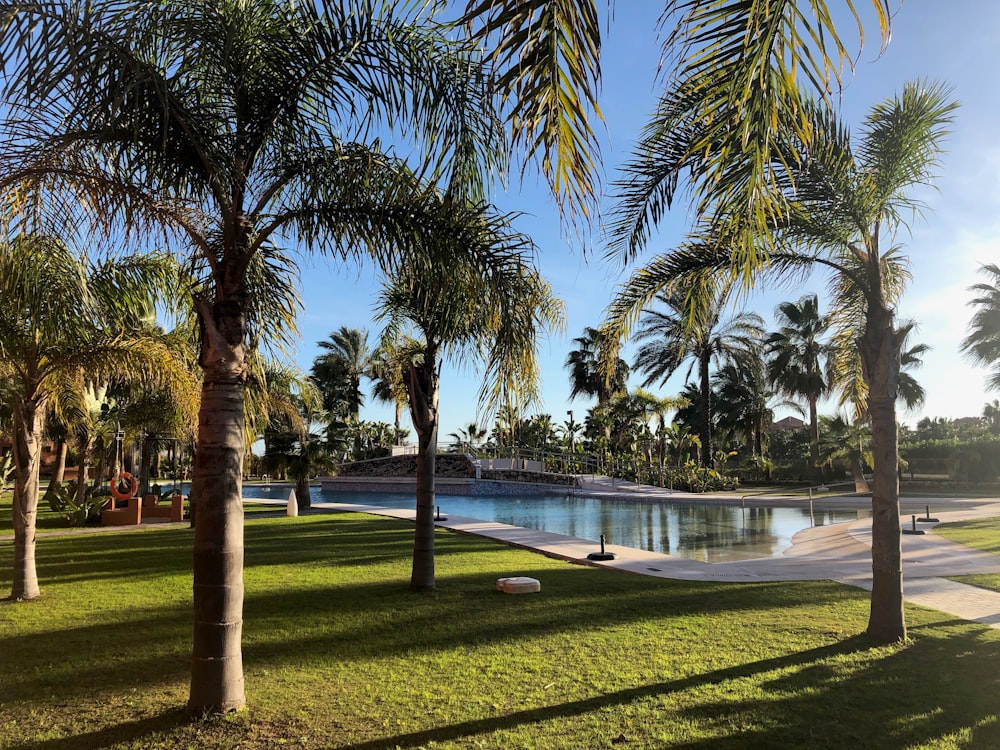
(982, 533)
(338, 653)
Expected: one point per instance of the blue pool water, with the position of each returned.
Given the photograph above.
(711, 533)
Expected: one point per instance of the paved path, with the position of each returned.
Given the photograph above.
(840, 552)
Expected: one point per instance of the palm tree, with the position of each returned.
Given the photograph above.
(339, 372)
(692, 330)
(59, 315)
(848, 441)
(242, 125)
(910, 393)
(982, 344)
(842, 202)
(741, 398)
(388, 386)
(469, 436)
(281, 405)
(485, 303)
(798, 362)
(587, 377)
(657, 408)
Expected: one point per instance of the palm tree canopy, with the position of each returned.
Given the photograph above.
(240, 116)
(490, 306)
(982, 343)
(586, 373)
(797, 364)
(338, 372)
(690, 330)
(60, 313)
(740, 66)
(841, 201)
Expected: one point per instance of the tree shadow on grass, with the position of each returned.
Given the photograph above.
(842, 695)
(128, 733)
(937, 688)
(478, 727)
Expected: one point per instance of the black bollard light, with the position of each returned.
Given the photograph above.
(438, 516)
(914, 530)
(602, 555)
(927, 518)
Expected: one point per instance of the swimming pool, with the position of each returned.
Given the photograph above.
(710, 533)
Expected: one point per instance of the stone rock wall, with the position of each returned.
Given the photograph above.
(446, 465)
(534, 477)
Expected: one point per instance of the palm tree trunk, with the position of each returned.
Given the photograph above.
(705, 431)
(816, 469)
(880, 359)
(29, 421)
(83, 466)
(422, 382)
(217, 488)
(858, 475)
(59, 472)
(302, 498)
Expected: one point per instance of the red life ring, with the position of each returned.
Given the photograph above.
(121, 477)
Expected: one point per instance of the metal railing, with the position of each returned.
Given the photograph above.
(806, 492)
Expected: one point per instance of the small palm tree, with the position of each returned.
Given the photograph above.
(485, 302)
(847, 441)
(468, 437)
(61, 315)
(741, 403)
(388, 387)
(982, 344)
(798, 362)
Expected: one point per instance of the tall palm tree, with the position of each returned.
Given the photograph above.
(842, 203)
(338, 372)
(242, 125)
(982, 344)
(587, 377)
(61, 315)
(488, 305)
(797, 363)
(692, 330)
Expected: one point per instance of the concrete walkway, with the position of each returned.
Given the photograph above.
(839, 552)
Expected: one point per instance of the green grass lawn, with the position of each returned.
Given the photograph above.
(982, 533)
(338, 653)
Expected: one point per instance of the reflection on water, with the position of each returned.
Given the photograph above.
(711, 533)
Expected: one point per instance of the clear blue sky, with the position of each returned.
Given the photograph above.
(955, 42)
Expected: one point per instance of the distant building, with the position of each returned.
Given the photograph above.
(788, 423)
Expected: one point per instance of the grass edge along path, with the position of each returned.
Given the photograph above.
(982, 534)
(340, 654)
